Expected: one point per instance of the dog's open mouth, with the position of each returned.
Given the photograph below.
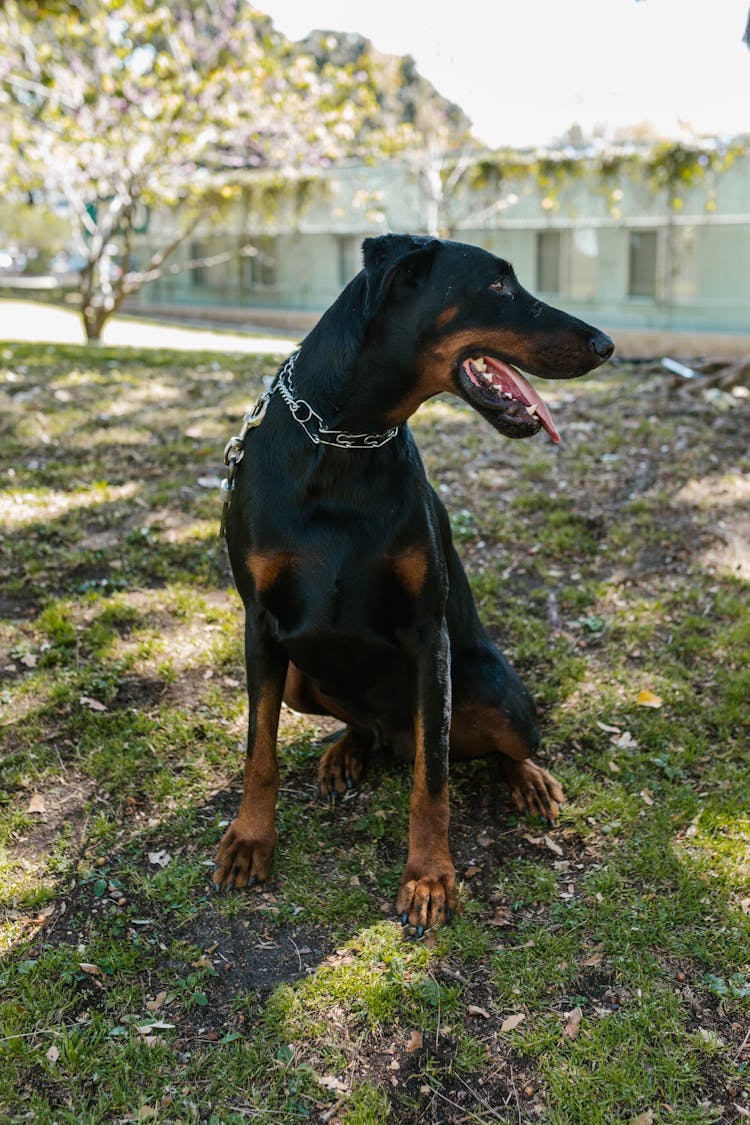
(506, 398)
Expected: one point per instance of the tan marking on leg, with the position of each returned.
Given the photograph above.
(341, 766)
(301, 694)
(478, 730)
(428, 885)
(533, 789)
(247, 846)
(411, 569)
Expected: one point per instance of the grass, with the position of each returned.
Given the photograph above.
(599, 970)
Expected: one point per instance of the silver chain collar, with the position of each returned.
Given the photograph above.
(310, 421)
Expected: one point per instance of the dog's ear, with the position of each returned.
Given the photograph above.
(395, 260)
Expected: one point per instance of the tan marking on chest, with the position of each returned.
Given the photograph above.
(267, 569)
(411, 569)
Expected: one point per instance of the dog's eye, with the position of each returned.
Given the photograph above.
(501, 287)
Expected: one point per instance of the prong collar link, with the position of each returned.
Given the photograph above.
(310, 421)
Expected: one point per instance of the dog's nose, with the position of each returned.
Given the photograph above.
(602, 345)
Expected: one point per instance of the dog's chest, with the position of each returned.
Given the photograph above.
(342, 590)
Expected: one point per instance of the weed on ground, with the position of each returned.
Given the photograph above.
(599, 970)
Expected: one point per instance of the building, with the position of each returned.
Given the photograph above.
(619, 240)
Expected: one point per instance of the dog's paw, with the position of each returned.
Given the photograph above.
(426, 902)
(243, 858)
(534, 790)
(340, 769)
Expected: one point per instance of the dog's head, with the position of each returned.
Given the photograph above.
(457, 317)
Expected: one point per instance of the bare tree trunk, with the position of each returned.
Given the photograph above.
(94, 318)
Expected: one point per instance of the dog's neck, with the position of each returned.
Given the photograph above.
(345, 383)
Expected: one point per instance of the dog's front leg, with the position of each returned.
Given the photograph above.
(246, 848)
(427, 896)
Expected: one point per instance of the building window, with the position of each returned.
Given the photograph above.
(198, 253)
(582, 253)
(548, 261)
(642, 271)
(683, 266)
(349, 259)
(263, 262)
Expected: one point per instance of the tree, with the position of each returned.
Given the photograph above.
(409, 120)
(118, 106)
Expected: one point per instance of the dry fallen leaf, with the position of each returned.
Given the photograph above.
(503, 916)
(475, 1010)
(29, 659)
(151, 1040)
(331, 1083)
(553, 847)
(646, 1118)
(625, 741)
(416, 1042)
(53, 1054)
(573, 1024)
(471, 871)
(512, 1022)
(647, 797)
(37, 804)
(160, 859)
(92, 704)
(647, 698)
(92, 970)
(156, 1003)
(609, 729)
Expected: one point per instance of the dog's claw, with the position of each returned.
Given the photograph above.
(420, 931)
(404, 918)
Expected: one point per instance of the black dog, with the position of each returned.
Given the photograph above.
(356, 603)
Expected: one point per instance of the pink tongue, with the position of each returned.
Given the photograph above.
(508, 379)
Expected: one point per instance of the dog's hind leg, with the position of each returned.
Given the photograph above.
(343, 763)
(533, 789)
(493, 718)
(300, 693)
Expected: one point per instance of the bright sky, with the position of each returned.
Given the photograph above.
(525, 71)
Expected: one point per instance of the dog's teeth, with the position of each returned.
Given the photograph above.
(531, 409)
(479, 364)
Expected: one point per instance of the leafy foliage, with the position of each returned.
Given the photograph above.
(121, 106)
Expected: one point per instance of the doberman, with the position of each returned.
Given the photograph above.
(356, 603)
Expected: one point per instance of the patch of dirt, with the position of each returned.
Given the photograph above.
(252, 955)
(55, 804)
